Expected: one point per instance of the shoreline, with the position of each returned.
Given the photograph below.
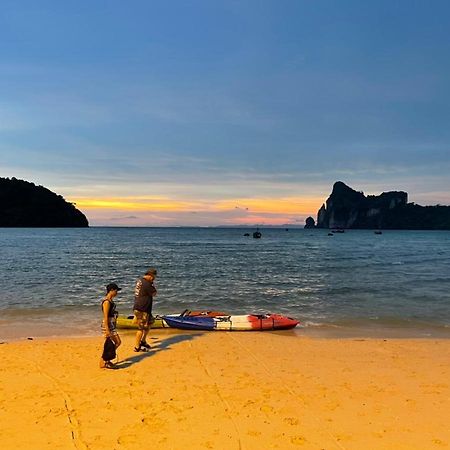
(259, 390)
(320, 332)
(17, 324)
(48, 328)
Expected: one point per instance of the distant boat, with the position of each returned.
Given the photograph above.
(378, 232)
(338, 230)
(257, 234)
(330, 234)
(246, 234)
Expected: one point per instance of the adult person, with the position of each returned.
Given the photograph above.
(143, 304)
(109, 324)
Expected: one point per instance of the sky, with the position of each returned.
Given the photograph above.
(205, 113)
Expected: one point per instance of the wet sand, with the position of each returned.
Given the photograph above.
(222, 390)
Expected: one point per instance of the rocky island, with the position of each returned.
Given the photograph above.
(346, 208)
(23, 204)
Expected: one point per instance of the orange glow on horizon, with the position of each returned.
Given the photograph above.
(135, 204)
(165, 210)
(287, 205)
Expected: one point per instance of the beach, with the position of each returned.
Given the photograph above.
(224, 390)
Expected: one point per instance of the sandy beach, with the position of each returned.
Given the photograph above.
(226, 391)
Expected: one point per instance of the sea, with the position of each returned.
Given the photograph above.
(352, 284)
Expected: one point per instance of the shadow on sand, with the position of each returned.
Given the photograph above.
(159, 346)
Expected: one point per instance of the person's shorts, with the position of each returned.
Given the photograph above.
(143, 319)
(112, 328)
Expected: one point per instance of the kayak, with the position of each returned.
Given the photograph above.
(249, 322)
(128, 322)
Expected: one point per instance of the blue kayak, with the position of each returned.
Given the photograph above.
(190, 322)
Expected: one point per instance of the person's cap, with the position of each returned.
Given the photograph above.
(112, 287)
(151, 271)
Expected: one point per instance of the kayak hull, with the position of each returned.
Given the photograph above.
(249, 322)
(129, 322)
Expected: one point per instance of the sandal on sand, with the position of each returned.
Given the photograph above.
(109, 365)
(140, 349)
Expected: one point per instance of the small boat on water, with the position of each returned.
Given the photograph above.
(257, 234)
(378, 232)
(248, 322)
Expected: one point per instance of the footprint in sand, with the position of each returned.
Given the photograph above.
(153, 423)
(254, 433)
(266, 409)
(126, 439)
(291, 420)
(298, 440)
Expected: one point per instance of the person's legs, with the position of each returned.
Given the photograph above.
(116, 339)
(108, 364)
(138, 340)
(143, 326)
(150, 321)
(144, 336)
(110, 332)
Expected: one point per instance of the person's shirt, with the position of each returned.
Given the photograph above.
(143, 295)
(112, 307)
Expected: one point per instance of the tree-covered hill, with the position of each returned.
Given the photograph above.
(347, 208)
(23, 204)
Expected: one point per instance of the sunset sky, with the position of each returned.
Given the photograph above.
(224, 112)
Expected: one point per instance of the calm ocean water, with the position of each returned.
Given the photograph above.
(53, 279)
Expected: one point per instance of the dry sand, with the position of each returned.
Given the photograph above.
(227, 391)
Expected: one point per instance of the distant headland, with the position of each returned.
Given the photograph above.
(348, 209)
(23, 204)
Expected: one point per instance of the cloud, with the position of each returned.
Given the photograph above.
(124, 218)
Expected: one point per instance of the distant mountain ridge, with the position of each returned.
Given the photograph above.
(346, 208)
(23, 204)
